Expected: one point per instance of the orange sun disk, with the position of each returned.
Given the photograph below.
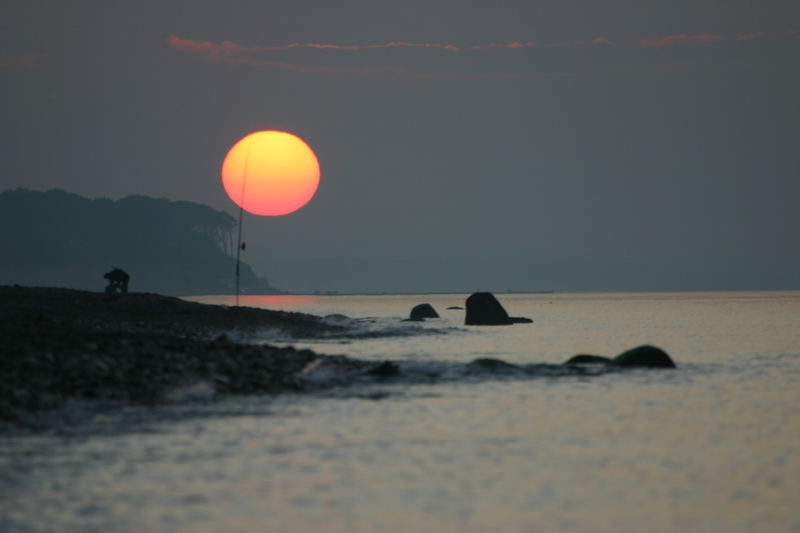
(270, 173)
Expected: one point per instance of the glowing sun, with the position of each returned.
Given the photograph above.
(270, 173)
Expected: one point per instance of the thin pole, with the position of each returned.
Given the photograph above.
(241, 215)
(238, 254)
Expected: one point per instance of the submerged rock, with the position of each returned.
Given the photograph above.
(491, 365)
(584, 359)
(386, 369)
(483, 309)
(644, 356)
(423, 311)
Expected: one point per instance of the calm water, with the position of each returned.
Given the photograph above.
(711, 446)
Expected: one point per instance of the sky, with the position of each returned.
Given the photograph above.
(567, 145)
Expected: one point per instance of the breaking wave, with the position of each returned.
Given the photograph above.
(340, 371)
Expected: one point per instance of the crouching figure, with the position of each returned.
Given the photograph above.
(117, 280)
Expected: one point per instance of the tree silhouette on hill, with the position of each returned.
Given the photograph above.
(57, 238)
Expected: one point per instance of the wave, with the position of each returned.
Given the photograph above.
(340, 371)
(353, 329)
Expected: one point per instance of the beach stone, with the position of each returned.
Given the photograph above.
(483, 309)
(455, 307)
(644, 356)
(584, 359)
(423, 311)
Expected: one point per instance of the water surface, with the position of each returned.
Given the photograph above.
(710, 446)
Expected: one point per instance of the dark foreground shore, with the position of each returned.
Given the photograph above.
(60, 345)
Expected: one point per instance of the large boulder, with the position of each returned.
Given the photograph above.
(423, 311)
(644, 356)
(483, 309)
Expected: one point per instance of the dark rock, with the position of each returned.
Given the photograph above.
(494, 366)
(483, 309)
(455, 307)
(386, 369)
(583, 359)
(337, 319)
(520, 320)
(413, 320)
(423, 311)
(644, 356)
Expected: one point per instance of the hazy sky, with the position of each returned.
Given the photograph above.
(464, 145)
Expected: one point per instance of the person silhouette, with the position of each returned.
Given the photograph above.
(117, 280)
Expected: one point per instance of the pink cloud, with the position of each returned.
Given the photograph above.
(228, 51)
(218, 51)
(232, 53)
(751, 35)
(26, 61)
(673, 39)
(355, 47)
(512, 45)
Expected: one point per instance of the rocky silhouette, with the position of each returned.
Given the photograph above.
(483, 309)
(584, 359)
(423, 311)
(647, 356)
(642, 356)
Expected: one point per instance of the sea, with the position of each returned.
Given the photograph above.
(444, 444)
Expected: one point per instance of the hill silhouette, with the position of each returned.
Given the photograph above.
(60, 239)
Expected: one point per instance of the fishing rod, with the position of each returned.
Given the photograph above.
(239, 244)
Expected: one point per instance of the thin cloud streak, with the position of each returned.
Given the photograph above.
(225, 49)
(674, 39)
(670, 40)
(531, 44)
(229, 52)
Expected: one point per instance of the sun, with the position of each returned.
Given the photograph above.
(270, 173)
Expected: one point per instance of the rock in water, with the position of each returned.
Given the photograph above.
(423, 311)
(386, 369)
(490, 365)
(483, 309)
(644, 356)
(584, 359)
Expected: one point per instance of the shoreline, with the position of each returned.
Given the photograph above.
(60, 345)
